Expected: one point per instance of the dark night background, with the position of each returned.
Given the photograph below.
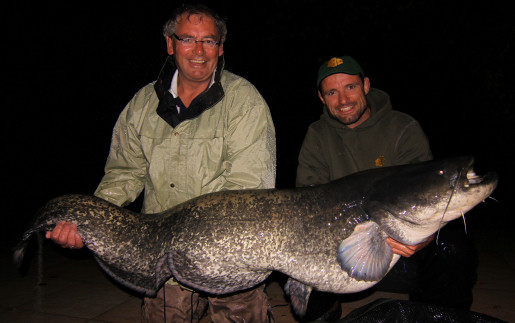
(71, 67)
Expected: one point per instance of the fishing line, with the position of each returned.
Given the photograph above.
(464, 222)
(447, 206)
(39, 291)
(191, 307)
(164, 303)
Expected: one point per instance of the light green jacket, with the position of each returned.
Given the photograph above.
(227, 147)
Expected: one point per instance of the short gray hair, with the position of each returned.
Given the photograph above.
(194, 9)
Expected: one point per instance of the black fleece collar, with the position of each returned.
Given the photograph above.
(167, 103)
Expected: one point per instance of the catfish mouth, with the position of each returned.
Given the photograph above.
(468, 191)
(474, 180)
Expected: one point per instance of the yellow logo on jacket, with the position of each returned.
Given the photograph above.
(380, 161)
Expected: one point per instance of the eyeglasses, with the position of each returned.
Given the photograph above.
(190, 42)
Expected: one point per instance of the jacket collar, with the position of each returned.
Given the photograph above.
(167, 108)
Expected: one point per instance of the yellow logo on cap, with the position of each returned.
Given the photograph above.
(335, 61)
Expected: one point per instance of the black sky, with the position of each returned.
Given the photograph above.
(71, 68)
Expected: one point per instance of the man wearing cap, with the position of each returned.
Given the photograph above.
(359, 130)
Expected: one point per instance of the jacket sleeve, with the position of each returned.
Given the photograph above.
(311, 169)
(126, 167)
(250, 151)
(412, 145)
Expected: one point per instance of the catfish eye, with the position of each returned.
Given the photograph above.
(441, 172)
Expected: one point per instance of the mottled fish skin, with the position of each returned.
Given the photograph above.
(118, 238)
(329, 237)
(247, 234)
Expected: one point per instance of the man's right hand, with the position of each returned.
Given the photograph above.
(65, 234)
(405, 250)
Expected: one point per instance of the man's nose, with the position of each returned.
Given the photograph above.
(199, 48)
(343, 99)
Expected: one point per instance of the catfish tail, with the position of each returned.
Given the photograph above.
(20, 251)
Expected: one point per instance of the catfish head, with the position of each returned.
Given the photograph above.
(410, 203)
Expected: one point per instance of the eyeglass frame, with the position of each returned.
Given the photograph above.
(205, 43)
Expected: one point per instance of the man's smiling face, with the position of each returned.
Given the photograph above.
(345, 98)
(195, 63)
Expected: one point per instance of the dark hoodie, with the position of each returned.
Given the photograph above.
(332, 150)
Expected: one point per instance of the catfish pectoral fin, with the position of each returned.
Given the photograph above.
(365, 255)
(299, 295)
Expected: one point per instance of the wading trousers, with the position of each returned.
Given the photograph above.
(183, 305)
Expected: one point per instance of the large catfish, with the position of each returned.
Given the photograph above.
(329, 237)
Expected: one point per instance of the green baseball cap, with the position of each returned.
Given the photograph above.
(342, 64)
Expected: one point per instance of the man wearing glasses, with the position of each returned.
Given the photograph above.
(197, 129)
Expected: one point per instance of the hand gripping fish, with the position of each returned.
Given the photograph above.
(328, 237)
